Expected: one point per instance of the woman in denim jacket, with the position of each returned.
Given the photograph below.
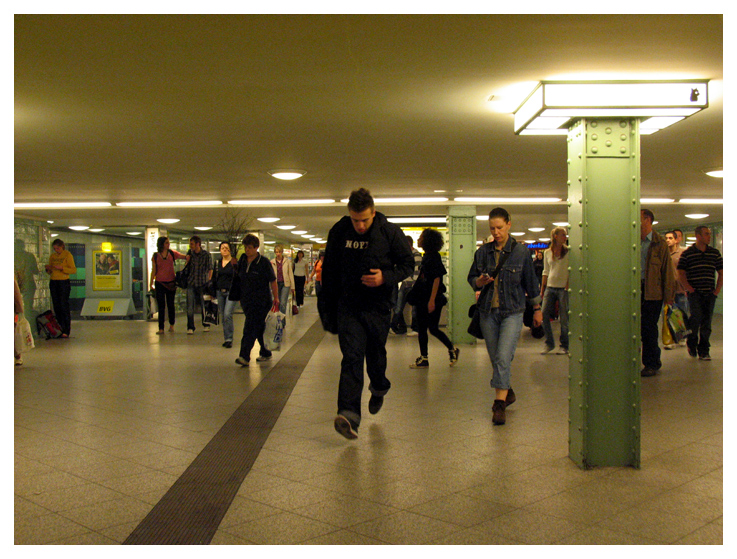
(501, 303)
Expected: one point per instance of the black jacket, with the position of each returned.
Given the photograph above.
(387, 250)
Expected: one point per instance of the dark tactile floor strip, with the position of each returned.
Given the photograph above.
(191, 511)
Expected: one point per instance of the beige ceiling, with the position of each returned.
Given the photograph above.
(136, 108)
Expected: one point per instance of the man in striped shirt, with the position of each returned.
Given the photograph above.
(696, 269)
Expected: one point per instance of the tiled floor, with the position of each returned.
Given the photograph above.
(106, 422)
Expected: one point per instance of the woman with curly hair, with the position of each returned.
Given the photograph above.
(431, 298)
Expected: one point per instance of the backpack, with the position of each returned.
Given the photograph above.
(46, 322)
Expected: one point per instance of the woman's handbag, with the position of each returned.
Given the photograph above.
(475, 327)
(181, 278)
(295, 309)
(417, 295)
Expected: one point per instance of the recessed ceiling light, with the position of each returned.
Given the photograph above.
(299, 232)
(701, 201)
(269, 242)
(172, 204)
(308, 236)
(406, 200)
(96, 230)
(716, 173)
(492, 200)
(561, 224)
(656, 200)
(268, 219)
(50, 221)
(536, 229)
(286, 174)
(517, 234)
(62, 205)
(417, 219)
(286, 227)
(203, 228)
(133, 233)
(544, 239)
(79, 227)
(697, 216)
(172, 220)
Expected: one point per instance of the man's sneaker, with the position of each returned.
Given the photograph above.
(670, 346)
(420, 363)
(562, 351)
(705, 357)
(242, 361)
(190, 331)
(262, 358)
(375, 403)
(511, 397)
(454, 353)
(692, 351)
(205, 328)
(548, 349)
(344, 426)
(683, 342)
(412, 333)
(228, 343)
(648, 372)
(498, 417)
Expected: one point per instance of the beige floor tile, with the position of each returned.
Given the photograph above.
(90, 538)
(462, 510)
(711, 534)
(677, 502)
(138, 484)
(108, 513)
(281, 529)
(342, 537)
(73, 497)
(343, 511)
(596, 535)
(244, 510)
(46, 529)
(662, 527)
(290, 496)
(474, 536)
(531, 527)
(405, 528)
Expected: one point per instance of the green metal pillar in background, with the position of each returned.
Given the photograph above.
(604, 296)
(461, 248)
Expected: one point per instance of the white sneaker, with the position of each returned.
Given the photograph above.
(190, 332)
(547, 350)
(205, 328)
(671, 346)
(18, 361)
(562, 351)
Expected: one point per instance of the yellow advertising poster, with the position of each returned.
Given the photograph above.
(107, 276)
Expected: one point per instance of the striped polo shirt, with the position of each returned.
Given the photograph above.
(700, 267)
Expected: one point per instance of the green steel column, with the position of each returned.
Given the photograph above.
(604, 292)
(461, 248)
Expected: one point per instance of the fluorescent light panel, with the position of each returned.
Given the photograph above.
(701, 201)
(552, 105)
(169, 204)
(60, 205)
(488, 200)
(280, 202)
(656, 200)
(417, 219)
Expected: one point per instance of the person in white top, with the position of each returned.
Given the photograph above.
(555, 288)
(301, 271)
(284, 277)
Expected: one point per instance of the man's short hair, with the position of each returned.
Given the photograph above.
(678, 231)
(499, 212)
(251, 240)
(58, 242)
(650, 215)
(671, 233)
(360, 200)
(699, 229)
(196, 239)
(410, 240)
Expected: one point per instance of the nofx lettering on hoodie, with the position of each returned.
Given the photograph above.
(356, 245)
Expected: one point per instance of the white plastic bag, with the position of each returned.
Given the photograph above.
(275, 323)
(23, 335)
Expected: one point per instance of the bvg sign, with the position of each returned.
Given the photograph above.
(105, 306)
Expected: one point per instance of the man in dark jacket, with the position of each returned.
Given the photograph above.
(365, 257)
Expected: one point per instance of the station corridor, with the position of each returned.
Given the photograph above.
(123, 436)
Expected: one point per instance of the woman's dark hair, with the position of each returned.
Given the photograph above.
(160, 243)
(230, 247)
(251, 240)
(432, 240)
(298, 259)
(499, 212)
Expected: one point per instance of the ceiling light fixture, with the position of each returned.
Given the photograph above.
(299, 232)
(169, 221)
(172, 204)
(492, 200)
(79, 227)
(96, 230)
(517, 234)
(717, 173)
(417, 219)
(60, 205)
(552, 105)
(410, 200)
(561, 224)
(203, 228)
(536, 229)
(701, 201)
(134, 233)
(285, 227)
(268, 219)
(656, 200)
(286, 174)
(316, 201)
(697, 216)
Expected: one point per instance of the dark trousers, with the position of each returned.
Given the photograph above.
(60, 291)
(362, 336)
(430, 321)
(299, 290)
(701, 306)
(164, 302)
(649, 315)
(253, 328)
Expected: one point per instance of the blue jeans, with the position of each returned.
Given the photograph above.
(226, 308)
(194, 294)
(501, 336)
(283, 296)
(553, 294)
